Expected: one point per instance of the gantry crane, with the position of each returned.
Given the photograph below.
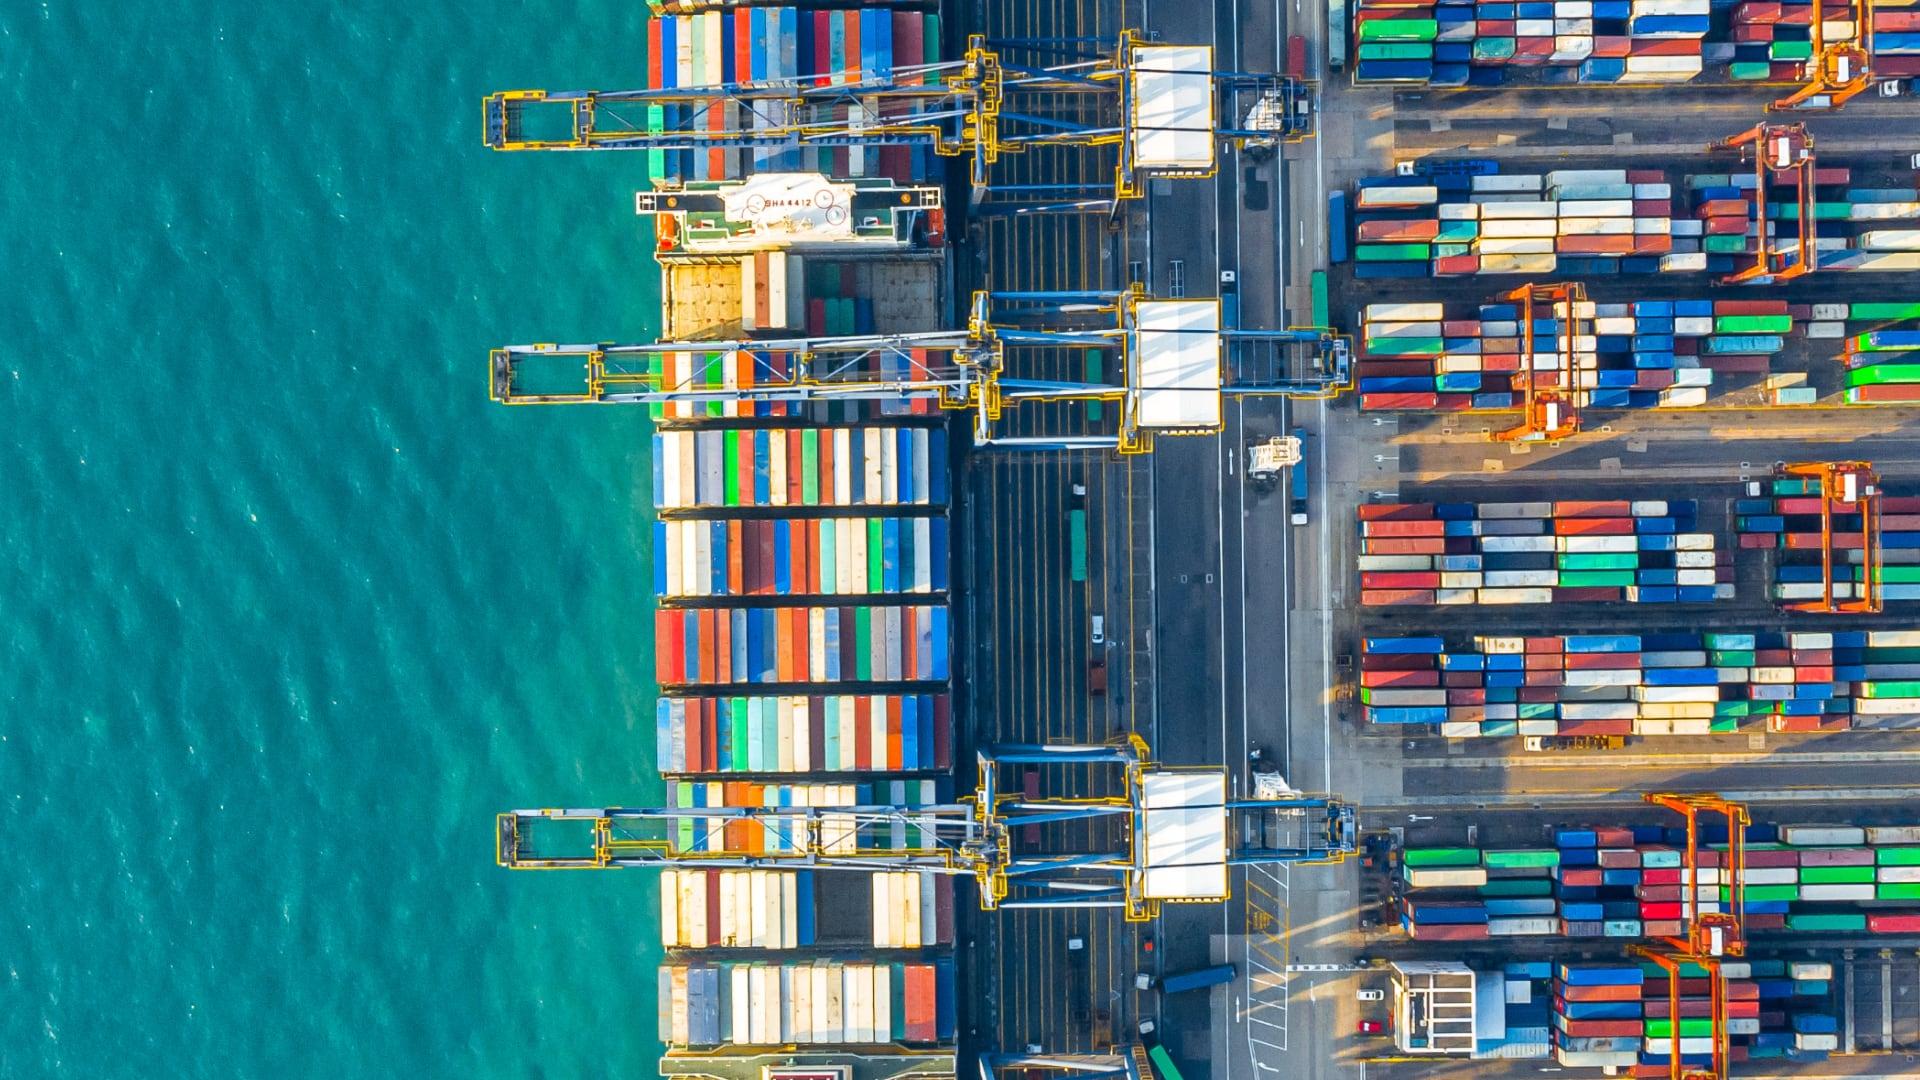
(1838, 71)
(1168, 839)
(1845, 487)
(1551, 411)
(1781, 153)
(1710, 936)
(1175, 355)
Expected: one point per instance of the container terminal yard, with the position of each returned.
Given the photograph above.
(1282, 539)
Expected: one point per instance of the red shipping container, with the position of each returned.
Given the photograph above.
(1413, 545)
(1461, 328)
(1666, 47)
(1653, 380)
(1663, 928)
(1399, 579)
(1765, 922)
(1462, 680)
(1592, 508)
(1606, 992)
(1448, 932)
(1770, 859)
(1580, 875)
(1466, 696)
(1493, 28)
(1612, 837)
(1613, 47)
(1405, 680)
(1542, 661)
(1406, 527)
(1659, 894)
(1541, 685)
(1398, 230)
(1544, 644)
(1752, 35)
(1889, 392)
(1878, 923)
(1583, 1029)
(1454, 402)
(1593, 527)
(1395, 597)
(1652, 208)
(1471, 714)
(1395, 512)
(1749, 307)
(1500, 362)
(1399, 401)
(1458, 264)
(1651, 910)
(1603, 662)
(921, 1000)
(1596, 727)
(1594, 245)
(1652, 243)
(1724, 208)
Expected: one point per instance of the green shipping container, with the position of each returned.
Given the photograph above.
(1827, 922)
(1764, 892)
(1753, 324)
(876, 555)
(1836, 875)
(1730, 658)
(1887, 689)
(1441, 856)
(1392, 252)
(730, 466)
(1688, 970)
(1689, 1028)
(1396, 50)
(863, 643)
(810, 466)
(1897, 890)
(1822, 211)
(1512, 859)
(1749, 69)
(1389, 347)
(1897, 856)
(1594, 579)
(1458, 232)
(1399, 30)
(1884, 310)
(1897, 575)
(1494, 48)
(1893, 655)
(1790, 50)
(1724, 244)
(1882, 374)
(1599, 562)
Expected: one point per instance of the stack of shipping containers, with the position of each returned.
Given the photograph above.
(1611, 551)
(1629, 883)
(832, 46)
(1451, 43)
(1641, 354)
(1676, 683)
(1620, 1014)
(1599, 222)
(1786, 520)
(803, 632)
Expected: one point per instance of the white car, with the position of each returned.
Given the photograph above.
(1370, 995)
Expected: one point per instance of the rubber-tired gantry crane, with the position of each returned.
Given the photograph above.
(1782, 153)
(1550, 409)
(1844, 487)
(1157, 103)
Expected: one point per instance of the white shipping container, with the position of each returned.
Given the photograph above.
(1826, 330)
(1695, 577)
(1504, 544)
(1460, 579)
(1519, 228)
(1518, 264)
(1395, 562)
(1883, 211)
(1508, 183)
(1903, 639)
(1459, 211)
(1524, 927)
(1502, 579)
(1675, 693)
(1596, 226)
(1372, 197)
(1568, 47)
(1694, 560)
(1683, 262)
(1885, 834)
(1683, 397)
(1886, 706)
(1603, 677)
(1406, 313)
(1598, 545)
(1539, 727)
(1383, 329)
(1502, 211)
(1459, 729)
(1599, 710)
(1596, 208)
(1446, 877)
(1771, 875)
(1518, 246)
(1902, 875)
(1823, 835)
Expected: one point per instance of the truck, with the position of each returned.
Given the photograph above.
(1229, 300)
(1297, 502)
(1187, 980)
(1077, 532)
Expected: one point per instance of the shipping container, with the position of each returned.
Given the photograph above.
(804, 733)
(782, 467)
(805, 909)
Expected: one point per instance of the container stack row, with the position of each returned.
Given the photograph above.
(1856, 228)
(1414, 554)
(1459, 218)
(1883, 366)
(838, 833)
(822, 1003)
(1630, 883)
(1455, 43)
(793, 645)
(1787, 521)
(818, 733)
(805, 909)
(832, 47)
(1681, 683)
(742, 468)
(1641, 354)
(1620, 1015)
(1463, 43)
(842, 556)
(1514, 223)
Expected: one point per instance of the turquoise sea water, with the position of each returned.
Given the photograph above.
(289, 608)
